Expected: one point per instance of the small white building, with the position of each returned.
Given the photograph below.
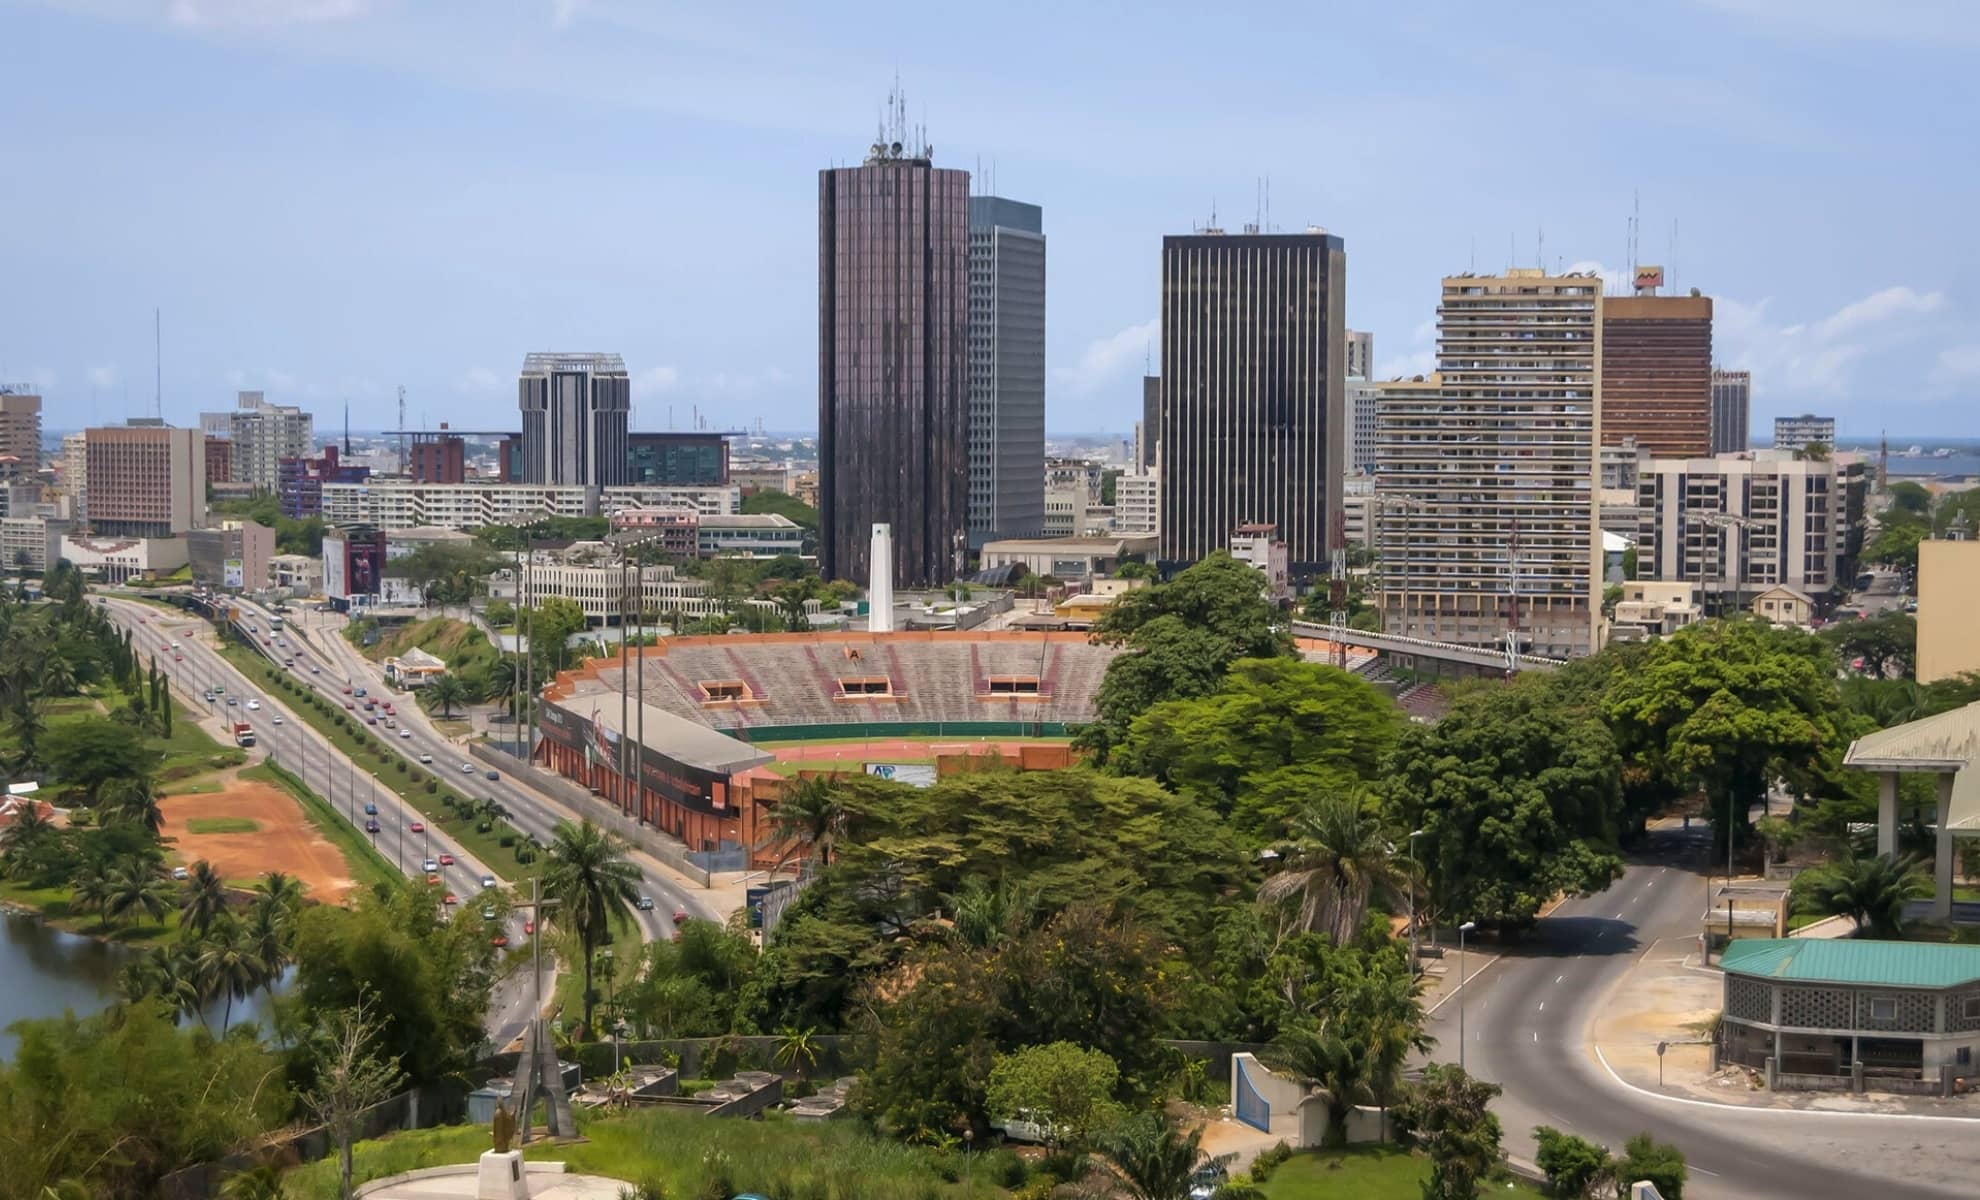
(121, 559)
(1262, 547)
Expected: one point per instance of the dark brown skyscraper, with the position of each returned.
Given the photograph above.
(893, 318)
(1253, 392)
(1657, 374)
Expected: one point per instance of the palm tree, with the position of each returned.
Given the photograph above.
(91, 891)
(230, 966)
(446, 692)
(811, 816)
(28, 725)
(1326, 1057)
(137, 886)
(283, 891)
(255, 1183)
(1870, 891)
(1388, 1011)
(1338, 860)
(797, 1048)
(169, 976)
(30, 825)
(58, 676)
(1154, 1161)
(130, 798)
(594, 885)
(268, 927)
(205, 898)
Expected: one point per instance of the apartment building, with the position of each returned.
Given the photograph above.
(74, 477)
(1358, 448)
(589, 575)
(31, 543)
(262, 435)
(1138, 503)
(672, 531)
(754, 535)
(398, 503)
(1739, 524)
(148, 480)
(20, 425)
(300, 481)
(1487, 471)
(1799, 433)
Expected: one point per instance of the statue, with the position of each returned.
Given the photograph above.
(505, 1127)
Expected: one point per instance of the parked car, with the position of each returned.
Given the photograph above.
(488, 912)
(178, 872)
(1206, 1179)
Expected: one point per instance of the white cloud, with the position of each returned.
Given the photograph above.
(479, 381)
(262, 13)
(654, 380)
(103, 377)
(1107, 360)
(1816, 357)
(562, 12)
(1958, 366)
(1615, 280)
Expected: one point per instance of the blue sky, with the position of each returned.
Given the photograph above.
(332, 198)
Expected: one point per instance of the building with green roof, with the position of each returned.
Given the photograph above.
(1810, 1007)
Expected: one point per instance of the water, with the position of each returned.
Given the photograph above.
(45, 972)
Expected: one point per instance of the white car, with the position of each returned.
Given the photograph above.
(467, 768)
(254, 706)
(426, 758)
(430, 866)
(278, 718)
(405, 733)
(313, 670)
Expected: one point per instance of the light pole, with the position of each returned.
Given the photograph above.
(1463, 929)
(1414, 834)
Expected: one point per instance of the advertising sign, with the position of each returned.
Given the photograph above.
(232, 574)
(919, 775)
(1649, 278)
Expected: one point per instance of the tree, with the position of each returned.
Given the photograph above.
(87, 753)
(1448, 1117)
(1321, 1057)
(263, 1182)
(229, 966)
(1574, 1167)
(205, 899)
(31, 824)
(1379, 999)
(1338, 860)
(444, 693)
(595, 885)
(1064, 1088)
(809, 819)
(1895, 545)
(552, 623)
(1646, 1159)
(790, 598)
(1872, 892)
(797, 1049)
(781, 504)
(1887, 643)
(351, 1076)
(1905, 496)
(131, 799)
(1274, 733)
(1154, 1160)
(1517, 794)
(137, 886)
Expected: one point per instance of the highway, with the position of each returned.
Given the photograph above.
(194, 667)
(1526, 1028)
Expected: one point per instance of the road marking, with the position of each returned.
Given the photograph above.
(1781, 1112)
(1558, 978)
(1536, 1037)
(1703, 1171)
(1543, 1006)
(1619, 916)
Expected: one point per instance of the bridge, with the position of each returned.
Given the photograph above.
(1455, 653)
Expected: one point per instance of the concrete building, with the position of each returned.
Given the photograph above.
(1740, 524)
(1085, 474)
(353, 566)
(1006, 443)
(1151, 422)
(301, 574)
(149, 480)
(677, 459)
(29, 543)
(20, 424)
(1138, 503)
(575, 409)
(1487, 471)
(674, 531)
(1783, 605)
(1070, 559)
(437, 459)
(1799, 433)
(1948, 636)
(233, 557)
(1732, 410)
(300, 481)
(1069, 511)
(1653, 608)
(122, 559)
(1253, 392)
(756, 475)
(714, 500)
(1358, 354)
(893, 385)
(1358, 448)
(262, 435)
(1657, 373)
(219, 460)
(402, 503)
(758, 535)
(1260, 547)
(603, 589)
(74, 473)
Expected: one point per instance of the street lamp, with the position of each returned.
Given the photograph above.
(1414, 834)
(1463, 929)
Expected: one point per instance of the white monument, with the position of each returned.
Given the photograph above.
(880, 581)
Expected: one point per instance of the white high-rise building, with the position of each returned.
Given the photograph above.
(1738, 524)
(264, 434)
(1799, 433)
(1486, 475)
(1138, 502)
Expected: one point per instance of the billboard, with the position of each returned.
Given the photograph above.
(232, 575)
(333, 568)
(919, 775)
(1649, 278)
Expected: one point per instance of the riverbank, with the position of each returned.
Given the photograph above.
(56, 907)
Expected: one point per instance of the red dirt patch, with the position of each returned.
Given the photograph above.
(284, 840)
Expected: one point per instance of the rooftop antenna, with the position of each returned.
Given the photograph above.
(1674, 255)
(1268, 204)
(347, 427)
(1540, 247)
(157, 363)
(405, 455)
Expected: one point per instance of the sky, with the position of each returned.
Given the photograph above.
(332, 199)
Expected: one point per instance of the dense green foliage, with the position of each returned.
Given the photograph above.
(1447, 1117)
(1887, 643)
(447, 572)
(1872, 892)
(782, 504)
(1575, 1167)
(1644, 1158)
(1061, 1086)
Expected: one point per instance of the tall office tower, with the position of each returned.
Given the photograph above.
(1486, 473)
(1657, 373)
(1359, 445)
(75, 470)
(146, 480)
(1253, 404)
(893, 324)
(1359, 350)
(574, 413)
(1732, 407)
(1006, 369)
(1799, 433)
(264, 434)
(1151, 422)
(20, 425)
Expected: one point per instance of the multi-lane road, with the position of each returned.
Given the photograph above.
(1527, 1021)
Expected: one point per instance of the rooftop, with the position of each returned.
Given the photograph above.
(1116, 544)
(545, 362)
(1850, 960)
(677, 737)
(747, 521)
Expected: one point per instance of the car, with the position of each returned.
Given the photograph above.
(371, 720)
(313, 670)
(348, 706)
(416, 827)
(288, 662)
(175, 645)
(178, 872)
(433, 877)
(646, 904)
(450, 899)
(446, 860)
(371, 826)
(426, 758)
(487, 881)
(387, 706)
(178, 658)
(347, 691)
(488, 912)
(254, 706)
(494, 774)
(1206, 1179)
(231, 701)
(266, 642)
(370, 809)
(499, 940)
(405, 733)
(430, 865)
(278, 718)
(358, 692)
(254, 629)
(467, 768)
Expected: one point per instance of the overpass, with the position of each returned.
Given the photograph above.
(1477, 658)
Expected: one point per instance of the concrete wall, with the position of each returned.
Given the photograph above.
(1948, 637)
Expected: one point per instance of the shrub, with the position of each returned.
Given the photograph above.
(403, 768)
(483, 826)
(1572, 1165)
(433, 786)
(1646, 1158)
(1268, 1162)
(506, 841)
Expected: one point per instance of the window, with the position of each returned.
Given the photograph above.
(723, 689)
(1970, 1008)
(868, 685)
(1883, 1008)
(1013, 685)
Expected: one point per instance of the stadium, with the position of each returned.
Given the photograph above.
(723, 721)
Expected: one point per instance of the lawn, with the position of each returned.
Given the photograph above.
(792, 766)
(690, 1155)
(1364, 1173)
(55, 906)
(221, 825)
(373, 756)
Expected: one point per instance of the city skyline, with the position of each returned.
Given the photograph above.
(691, 253)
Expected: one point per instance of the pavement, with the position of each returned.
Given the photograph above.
(1531, 1024)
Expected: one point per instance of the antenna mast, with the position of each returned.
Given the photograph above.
(405, 454)
(347, 427)
(157, 364)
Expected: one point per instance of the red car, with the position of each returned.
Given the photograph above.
(446, 860)
(450, 899)
(417, 827)
(499, 940)
(433, 879)
(182, 658)
(347, 704)
(347, 691)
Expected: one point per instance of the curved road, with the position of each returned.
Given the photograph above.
(1526, 1028)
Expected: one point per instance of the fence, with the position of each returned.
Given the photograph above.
(1249, 1105)
(854, 731)
(642, 836)
(420, 1108)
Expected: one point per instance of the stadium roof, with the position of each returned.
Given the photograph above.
(1849, 960)
(674, 736)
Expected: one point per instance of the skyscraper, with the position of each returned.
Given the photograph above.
(262, 435)
(1486, 481)
(145, 480)
(1151, 421)
(20, 426)
(1006, 369)
(1358, 347)
(574, 413)
(893, 317)
(1732, 407)
(1657, 373)
(1253, 408)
